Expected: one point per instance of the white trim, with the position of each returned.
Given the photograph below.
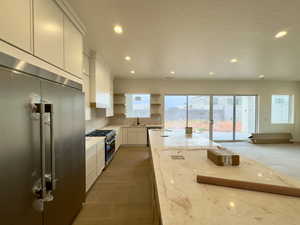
(69, 11)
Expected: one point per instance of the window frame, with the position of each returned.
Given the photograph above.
(291, 108)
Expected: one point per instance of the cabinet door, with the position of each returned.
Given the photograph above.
(91, 167)
(119, 138)
(117, 141)
(100, 157)
(48, 32)
(141, 138)
(15, 23)
(131, 137)
(110, 107)
(124, 135)
(100, 94)
(86, 90)
(86, 65)
(91, 159)
(73, 48)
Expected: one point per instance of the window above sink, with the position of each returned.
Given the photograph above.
(137, 105)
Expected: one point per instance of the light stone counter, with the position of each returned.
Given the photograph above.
(130, 126)
(183, 201)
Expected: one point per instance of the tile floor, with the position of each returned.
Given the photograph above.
(123, 194)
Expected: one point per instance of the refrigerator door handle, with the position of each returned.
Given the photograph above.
(47, 180)
(52, 147)
(43, 150)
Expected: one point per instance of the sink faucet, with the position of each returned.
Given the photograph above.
(137, 121)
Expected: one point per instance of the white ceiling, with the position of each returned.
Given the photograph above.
(195, 37)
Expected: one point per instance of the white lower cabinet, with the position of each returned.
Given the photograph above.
(90, 166)
(134, 136)
(119, 138)
(100, 156)
(95, 162)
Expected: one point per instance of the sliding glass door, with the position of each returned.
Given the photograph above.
(223, 113)
(217, 117)
(175, 112)
(245, 114)
(199, 114)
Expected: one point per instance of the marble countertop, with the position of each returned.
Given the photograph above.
(183, 201)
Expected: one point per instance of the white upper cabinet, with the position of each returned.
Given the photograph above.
(15, 23)
(110, 106)
(86, 65)
(101, 86)
(86, 90)
(73, 48)
(48, 31)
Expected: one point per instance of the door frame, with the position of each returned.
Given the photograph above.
(211, 121)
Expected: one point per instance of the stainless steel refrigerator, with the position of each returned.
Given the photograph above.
(42, 157)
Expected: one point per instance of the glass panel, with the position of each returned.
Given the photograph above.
(245, 116)
(175, 112)
(198, 114)
(223, 117)
(137, 105)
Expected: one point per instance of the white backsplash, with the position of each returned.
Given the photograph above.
(98, 120)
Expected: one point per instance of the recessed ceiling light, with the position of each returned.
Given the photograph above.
(261, 76)
(118, 29)
(128, 58)
(281, 34)
(234, 60)
(211, 73)
(172, 72)
(132, 72)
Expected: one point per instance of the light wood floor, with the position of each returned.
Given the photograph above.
(123, 194)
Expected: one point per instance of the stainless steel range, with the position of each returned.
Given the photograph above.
(110, 142)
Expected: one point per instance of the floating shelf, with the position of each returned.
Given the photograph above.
(155, 114)
(156, 95)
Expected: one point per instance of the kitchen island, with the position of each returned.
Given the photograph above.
(177, 160)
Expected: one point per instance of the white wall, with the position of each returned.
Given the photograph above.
(263, 88)
(97, 121)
